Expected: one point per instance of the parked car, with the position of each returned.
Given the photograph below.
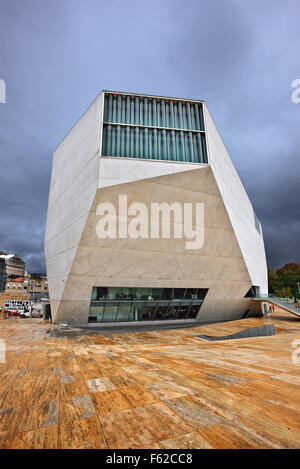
(24, 313)
(36, 311)
(11, 311)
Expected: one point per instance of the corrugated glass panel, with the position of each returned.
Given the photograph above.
(153, 128)
(160, 144)
(148, 111)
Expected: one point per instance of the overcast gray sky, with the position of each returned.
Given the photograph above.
(239, 56)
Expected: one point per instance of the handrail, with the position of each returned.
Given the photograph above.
(281, 302)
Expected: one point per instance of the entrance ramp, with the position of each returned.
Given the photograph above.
(293, 308)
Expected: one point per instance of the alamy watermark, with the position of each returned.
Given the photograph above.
(2, 91)
(2, 351)
(295, 96)
(296, 353)
(135, 221)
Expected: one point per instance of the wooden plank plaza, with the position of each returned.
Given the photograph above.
(159, 389)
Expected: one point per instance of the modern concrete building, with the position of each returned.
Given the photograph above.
(149, 150)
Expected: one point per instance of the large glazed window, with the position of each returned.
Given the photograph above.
(153, 128)
(257, 223)
(117, 304)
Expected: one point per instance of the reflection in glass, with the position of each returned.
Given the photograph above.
(161, 313)
(122, 304)
(128, 293)
(179, 293)
(167, 294)
(141, 294)
(182, 311)
(110, 313)
(147, 313)
(101, 293)
(97, 312)
(193, 312)
(172, 312)
(124, 312)
(156, 293)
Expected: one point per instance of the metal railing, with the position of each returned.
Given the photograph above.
(285, 302)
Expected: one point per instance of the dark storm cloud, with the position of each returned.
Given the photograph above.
(241, 57)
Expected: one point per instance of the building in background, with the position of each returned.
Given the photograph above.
(2, 274)
(152, 149)
(14, 265)
(17, 287)
(36, 285)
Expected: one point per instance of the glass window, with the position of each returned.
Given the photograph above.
(253, 292)
(144, 304)
(192, 314)
(182, 311)
(162, 144)
(161, 112)
(97, 312)
(179, 293)
(141, 294)
(132, 314)
(151, 294)
(161, 313)
(123, 135)
(172, 312)
(191, 294)
(98, 293)
(257, 223)
(136, 312)
(119, 294)
(125, 294)
(156, 293)
(122, 294)
(167, 294)
(201, 293)
(113, 293)
(110, 313)
(124, 312)
(101, 293)
(147, 313)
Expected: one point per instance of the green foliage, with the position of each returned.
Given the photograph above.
(283, 281)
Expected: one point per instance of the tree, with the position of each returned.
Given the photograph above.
(285, 280)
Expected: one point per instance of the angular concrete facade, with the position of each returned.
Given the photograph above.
(232, 258)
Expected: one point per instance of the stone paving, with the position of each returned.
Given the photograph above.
(161, 389)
